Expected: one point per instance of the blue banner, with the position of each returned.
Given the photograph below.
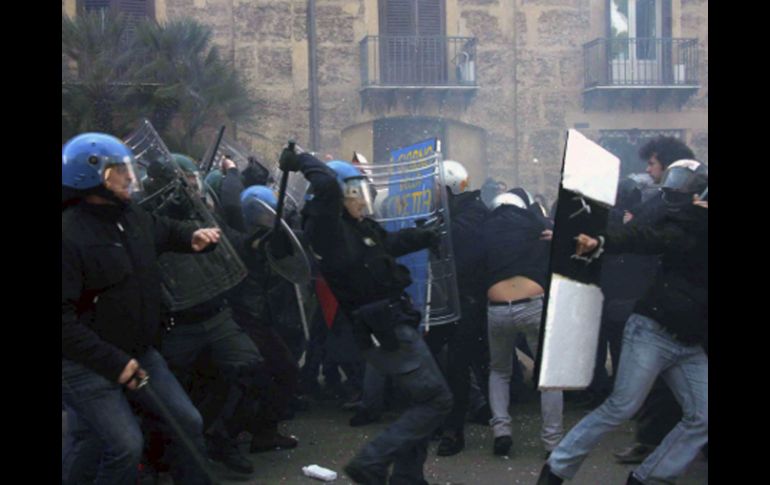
(411, 195)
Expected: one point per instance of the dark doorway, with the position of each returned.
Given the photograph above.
(393, 133)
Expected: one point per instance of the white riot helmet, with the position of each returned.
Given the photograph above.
(507, 198)
(455, 176)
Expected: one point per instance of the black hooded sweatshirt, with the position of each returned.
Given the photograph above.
(511, 240)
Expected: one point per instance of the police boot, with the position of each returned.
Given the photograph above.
(269, 439)
(225, 451)
(547, 477)
(452, 443)
(368, 475)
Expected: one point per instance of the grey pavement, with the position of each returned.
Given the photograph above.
(327, 440)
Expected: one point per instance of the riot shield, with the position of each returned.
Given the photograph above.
(573, 301)
(283, 250)
(410, 192)
(297, 184)
(187, 279)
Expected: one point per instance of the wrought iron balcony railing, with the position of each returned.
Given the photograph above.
(641, 62)
(418, 61)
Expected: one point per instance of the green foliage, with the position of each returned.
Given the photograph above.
(169, 73)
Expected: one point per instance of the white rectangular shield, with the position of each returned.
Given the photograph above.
(574, 300)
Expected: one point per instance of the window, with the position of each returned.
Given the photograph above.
(625, 144)
(413, 42)
(134, 9)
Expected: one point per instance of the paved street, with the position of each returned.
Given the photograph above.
(328, 441)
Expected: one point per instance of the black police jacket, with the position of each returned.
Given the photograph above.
(468, 214)
(513, 246)
(357, 258)
(678, 297)
(110, 282)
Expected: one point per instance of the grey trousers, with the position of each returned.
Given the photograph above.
(504, 322)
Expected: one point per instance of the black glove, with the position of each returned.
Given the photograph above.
(430, 233)
(289, 161)
(433, 240)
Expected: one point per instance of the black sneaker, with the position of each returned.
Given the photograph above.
(503, 445)
(547, 477)
(632, 480)
(227, 452)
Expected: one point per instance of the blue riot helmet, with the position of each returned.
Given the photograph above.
(355, 187)
(86, 157)
(681, 181)
(258, 206)
(89, 159)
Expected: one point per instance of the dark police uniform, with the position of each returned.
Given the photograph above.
(357, 258)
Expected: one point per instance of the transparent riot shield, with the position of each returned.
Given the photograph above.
(573, 300)
(410, 192)
(283, 250)
(296, 187)
(188, 279)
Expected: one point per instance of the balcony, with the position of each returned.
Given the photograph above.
(639, 66)
(398, 63)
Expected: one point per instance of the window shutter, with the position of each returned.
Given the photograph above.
(430, 16)
(134, 8)
(399, 17)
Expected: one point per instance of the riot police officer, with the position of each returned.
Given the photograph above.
(111, 309)
(357, 258)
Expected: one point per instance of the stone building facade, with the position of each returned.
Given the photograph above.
(529, 81)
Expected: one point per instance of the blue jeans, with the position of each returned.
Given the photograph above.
(648, 351)
(105, 416)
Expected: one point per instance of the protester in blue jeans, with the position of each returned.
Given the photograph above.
(664, 336)
(111, 310)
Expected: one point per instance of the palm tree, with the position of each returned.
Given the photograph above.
(96, 42)
(199, 90)
(169, 73)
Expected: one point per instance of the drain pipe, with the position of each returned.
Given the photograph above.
(313, 77)
(516, 135)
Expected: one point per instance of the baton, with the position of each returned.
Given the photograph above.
(422, 222)
(143, 386)
(209, 164)
(282, 193)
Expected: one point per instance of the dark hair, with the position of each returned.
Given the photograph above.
(666, 149)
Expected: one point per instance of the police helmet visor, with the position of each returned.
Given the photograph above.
(685, 176)
(257, 214)
(676, 199)
(360, 190)
(121, 179)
